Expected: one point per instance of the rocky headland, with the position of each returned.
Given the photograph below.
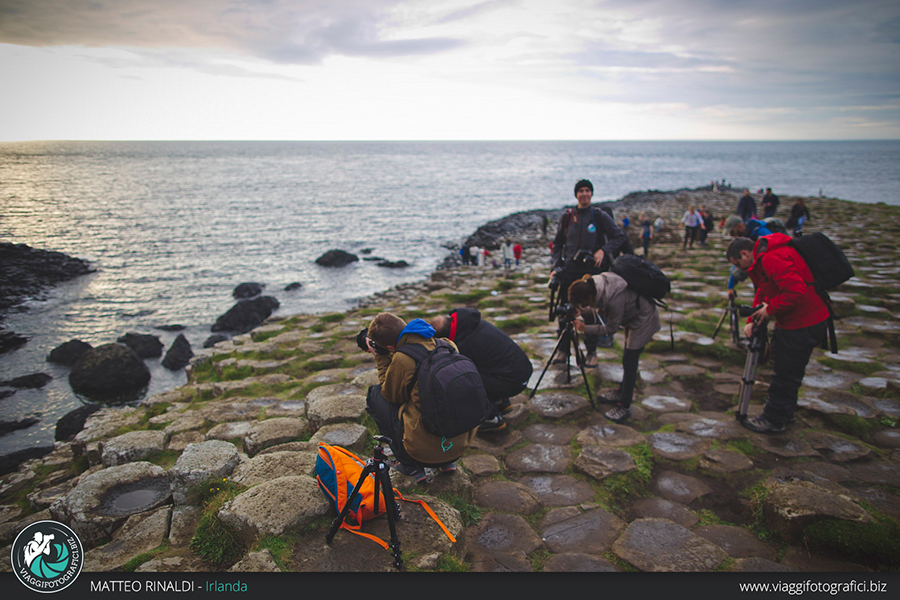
(218, 474)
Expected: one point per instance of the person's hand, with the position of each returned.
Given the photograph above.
(369, 347)
(598, 258)
(762, 314)
(579, 325)
(748, 330)
(732, 294)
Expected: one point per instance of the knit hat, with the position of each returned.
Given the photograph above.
(584, 183)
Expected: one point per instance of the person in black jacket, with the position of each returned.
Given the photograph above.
(504, 367)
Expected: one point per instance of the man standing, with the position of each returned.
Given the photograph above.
(746, 207)
(504, 367)
(784, 291)
(587, 240)
(769, 203)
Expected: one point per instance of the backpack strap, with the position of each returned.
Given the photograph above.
(430, 512)
(420, 353)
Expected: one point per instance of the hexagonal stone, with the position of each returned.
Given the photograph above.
(266, 467)
(540, 458)
(725, 461)
(878, 473)
(198, 465)
(272, 432)
(787, 446)
(658, 545)
(132, 446)
(664, 404)
(704, 427)
(679, 488)
(610, 372)
(836, 448)
(791, 507)
(229, 431)
(609, 434)
(592, 532)
(660, 508)
(481, 465)
(559, 490)
(685, 371)
(560, 405)
(514, 562)
(676, 446)
(502, 534)
(576, 562)
(600, 462)
(496, 442)
(837, 402)
(546, 433)
(507, 496)
(180, 441)
(755, 564)
(334, 404)
(351, 436)
(887, 439)
(736, 541)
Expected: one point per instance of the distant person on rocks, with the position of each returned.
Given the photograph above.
(611, 304)
(394, 402)
(658, 224)
(746, 207)
(769, 203)
(464, 253)
(799, 216)
(504, 367)
(517, 253)
(646, 233)
(586, 242)
(692, 223)
(625, 223)
(781, 278)
(709, 223)
(507, 252)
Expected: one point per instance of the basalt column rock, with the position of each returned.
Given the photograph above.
(179, 354)
(109, 370)
(246, 314)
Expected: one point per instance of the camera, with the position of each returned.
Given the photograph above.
(566, 312)
(361, 341)
(554, 279)
(583, 257)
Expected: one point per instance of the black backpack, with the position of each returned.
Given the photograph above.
(452, 398)
(829, 267)
(643, 277)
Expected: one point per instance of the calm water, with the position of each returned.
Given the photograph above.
(173, 226)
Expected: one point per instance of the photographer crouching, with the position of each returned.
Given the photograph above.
(395, 402)
(586, 242)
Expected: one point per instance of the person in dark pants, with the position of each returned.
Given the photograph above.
(769, 203)
(504, 367)
(586, 242)
(746, 207)
(646, 233)
(781, 278)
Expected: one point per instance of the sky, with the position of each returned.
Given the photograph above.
(449, 70)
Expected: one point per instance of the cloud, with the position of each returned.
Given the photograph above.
(281, 31)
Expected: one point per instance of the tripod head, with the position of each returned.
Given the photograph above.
(378, 451)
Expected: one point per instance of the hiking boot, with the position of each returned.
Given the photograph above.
(493, 424)
(590, 360)
(605, 341)
(504, 406)
(614, 397)
(761, 424)
(414, 471)
(447, 468)
(618, 414)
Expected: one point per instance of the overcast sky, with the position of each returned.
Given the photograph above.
(449, 69)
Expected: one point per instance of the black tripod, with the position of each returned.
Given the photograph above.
(568, 339)
(756, 349)
(378, 466)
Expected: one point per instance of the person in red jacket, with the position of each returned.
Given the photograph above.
(785, 293)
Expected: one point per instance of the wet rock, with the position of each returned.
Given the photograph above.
(72, 422)
(481, 465)
(246, 314)
(140, 534)
(800, 559)
(791, 507)
(722, 461)
(10, 340)
(560, 405)
(109, 370)
(496, 442)
(836, 448)
(838, 402)
(540, 458)
(679, 488)
(736, 541)
(10, 426)
(660, 508)
(507, 496)
(677, 446)
(10, 462)
(245, 291)
(199, 465)
(755, 564)
(609, 434)
(296, 285)
(26, 272)
(785, 445)
(272, 432)
(28, 382)
(392, 264)
(179, 354)
(664, 404)
(600, 462)
(514, 562)
(546, 433)
(501, 534)
(275, 507)
(878, 473)
(132, 446)
(719, 429)
(145, 346)
(887, 439)
(657, 545)
(592, 532)
(685, 371)
(215, 339)
(266, 467)
(558, 490)
(336, 258)
(575, 562)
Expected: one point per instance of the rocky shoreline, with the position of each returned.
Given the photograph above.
(223, 465)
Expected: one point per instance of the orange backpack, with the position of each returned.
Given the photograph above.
(337, 471)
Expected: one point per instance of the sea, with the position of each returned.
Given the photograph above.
(173, 227)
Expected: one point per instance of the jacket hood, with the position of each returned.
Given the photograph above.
(463, 321)
(419, 327)
(770, 242)
(608, 286)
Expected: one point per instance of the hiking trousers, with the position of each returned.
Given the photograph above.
(791, 351)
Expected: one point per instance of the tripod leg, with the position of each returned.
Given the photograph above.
(336, 524)
(547, 366)
(392, 510)
(747, 382)
(579, 358)
(719, 324)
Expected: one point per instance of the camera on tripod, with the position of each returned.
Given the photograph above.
(363, 341)
(566, 312)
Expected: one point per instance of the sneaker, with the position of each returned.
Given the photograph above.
(605, 341)
(504, 406)
(414, 471)
(618, 414)
(493, 424)
(590, 360)
(761, 424)
(447, 468)
(614, 397)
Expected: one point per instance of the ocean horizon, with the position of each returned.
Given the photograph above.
(173, 226)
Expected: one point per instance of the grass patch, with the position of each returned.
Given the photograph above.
(279, 546)
(538, 558)
(234, 373)
(757, 495)
(448, 563)
(140, 559)
(215, 542)
(874, 544)
(853, 425)
(708, 517)
(164, 458)
(261, 336)
(863, 368)
(468, 297)
(332, 317)
(522, 322)
(470, 513)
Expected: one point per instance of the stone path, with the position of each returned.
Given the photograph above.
(680, 487)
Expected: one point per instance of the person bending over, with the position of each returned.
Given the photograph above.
(504, 367)
(608, 299)
(801, 318)
(394, 402)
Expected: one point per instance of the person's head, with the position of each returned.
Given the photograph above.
(583, 293)
(385, 330)
(740, 253)
(735, 226)
(584, 191)
(691, 208)
(799, 201)
(441, 325)
(746, 193)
